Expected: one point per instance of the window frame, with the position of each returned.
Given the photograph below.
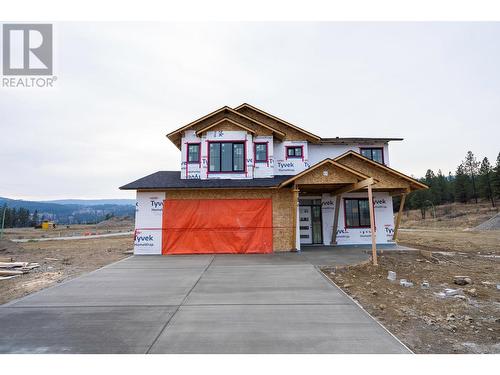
(199, 152)
(361, 149)
(359, 213)
(294, 156)
(232, 142)
(255, 152)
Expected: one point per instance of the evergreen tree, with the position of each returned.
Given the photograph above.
(461, 191)
(35, 219)
(496, 178)
(443, 185)
(471, 166)
(485, 186)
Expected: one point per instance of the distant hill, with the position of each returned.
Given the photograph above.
(75, 211)
(93, 202)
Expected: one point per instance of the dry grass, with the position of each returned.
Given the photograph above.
(450, 216)
(485, 242)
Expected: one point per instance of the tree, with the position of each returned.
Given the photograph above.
(484, 181)
(471, 166)
(35, 219)
(443, 184)
(496, 178)
(461, 191)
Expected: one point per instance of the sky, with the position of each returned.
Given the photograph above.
(121, 87)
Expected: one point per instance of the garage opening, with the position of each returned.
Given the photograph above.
(217, 226)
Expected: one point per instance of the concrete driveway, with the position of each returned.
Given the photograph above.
(277, 303)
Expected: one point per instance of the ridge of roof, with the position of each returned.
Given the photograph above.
(225, 108)
(278, 120)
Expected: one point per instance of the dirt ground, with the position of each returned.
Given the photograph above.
(424, 321)
(113, 225)
(59, 260)
(450, 216)
(468, 241)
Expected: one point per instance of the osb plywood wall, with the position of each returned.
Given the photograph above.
(385, 179)
(232, 116)
(334, 175)
(282, 208)
(226, 126)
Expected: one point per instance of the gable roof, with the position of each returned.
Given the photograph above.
(286, 123)
(172, 135)
(359, 175)
(384, 167)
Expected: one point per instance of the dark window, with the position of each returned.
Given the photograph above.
(294, 152)
(374, 153)
(226, 157)
(357, 213)
(194, 153)
(260, 152)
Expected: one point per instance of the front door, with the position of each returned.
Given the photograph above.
(305, 225)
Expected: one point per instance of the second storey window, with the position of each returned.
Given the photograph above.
(193, 153)
(357, 213)
(373, 153)
(294, 152)
(261, 152)
(226, 157)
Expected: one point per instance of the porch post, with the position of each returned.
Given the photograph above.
(295, 208)
(398, 218)
(372, 226)
(335, 220)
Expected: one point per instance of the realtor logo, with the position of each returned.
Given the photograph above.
(27, 49)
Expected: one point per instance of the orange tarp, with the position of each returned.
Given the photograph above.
(208, 226)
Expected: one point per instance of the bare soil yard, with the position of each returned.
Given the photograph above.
(59, 260)
(425, 322)
(113, 225)
(450, 216)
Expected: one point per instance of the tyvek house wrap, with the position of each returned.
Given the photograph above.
(148, 222)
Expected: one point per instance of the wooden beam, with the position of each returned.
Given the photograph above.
(358, 185)
(372, 226)
(295, 205)
(398, 218)
(335, 220)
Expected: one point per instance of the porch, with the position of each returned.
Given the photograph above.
(342, 192)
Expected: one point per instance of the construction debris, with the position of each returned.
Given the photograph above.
(462, 280)
(428, 255)
(12, 269)
(391, 275)
(405, 283)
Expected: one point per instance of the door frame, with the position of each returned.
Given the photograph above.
(320, 219)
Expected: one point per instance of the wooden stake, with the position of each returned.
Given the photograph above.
(335, 220)
(295, 203)
(372, 226)
(398, 218)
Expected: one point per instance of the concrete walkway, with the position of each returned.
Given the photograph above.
(277, 303)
